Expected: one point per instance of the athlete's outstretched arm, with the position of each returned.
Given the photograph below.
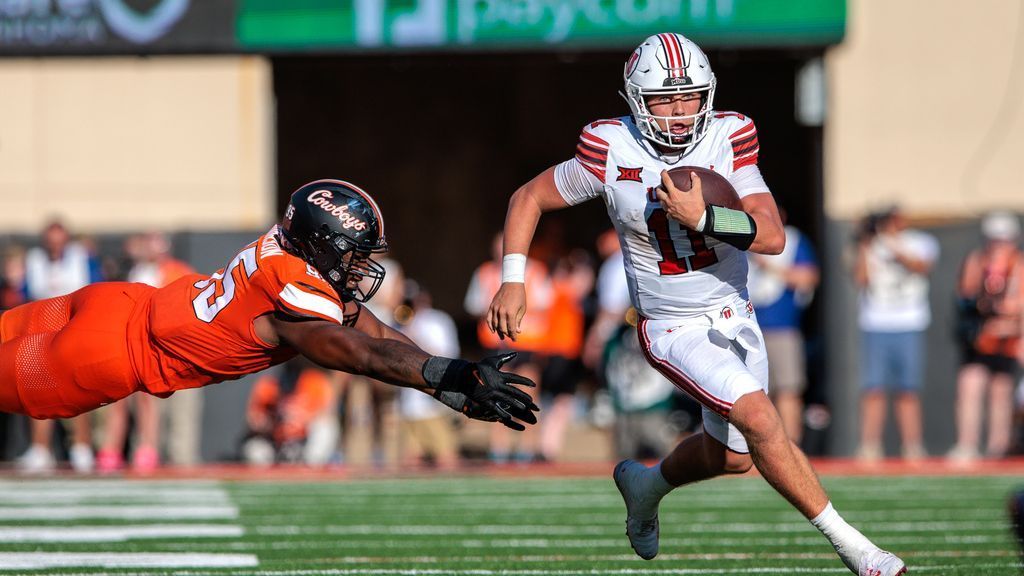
(477, 389)
(368, 323)
(352, 350)
(524, 209)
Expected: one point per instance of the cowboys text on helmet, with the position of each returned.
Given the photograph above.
(322, 198)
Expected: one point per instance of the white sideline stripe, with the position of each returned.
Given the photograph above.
(41, 560)
(116, 533)
(119, 512)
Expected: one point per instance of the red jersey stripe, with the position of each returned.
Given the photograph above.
(742, 132)
(589, 167)
(594, 140)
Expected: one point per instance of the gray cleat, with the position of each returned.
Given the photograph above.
(641, 525)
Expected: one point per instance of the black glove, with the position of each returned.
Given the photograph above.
(460, 403)
(480, 390)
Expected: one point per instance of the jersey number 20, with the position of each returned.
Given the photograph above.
(672, 263)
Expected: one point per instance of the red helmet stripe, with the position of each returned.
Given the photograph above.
(677, 50)
(670, 54)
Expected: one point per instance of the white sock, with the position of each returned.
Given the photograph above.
(849, 543)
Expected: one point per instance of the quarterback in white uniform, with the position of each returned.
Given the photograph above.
(687, 279)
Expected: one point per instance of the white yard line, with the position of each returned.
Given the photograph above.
(602, 572)
(101, 483)
(70, 534)
(609, 529)
(117, 493)
(118, 512)
(44, 560)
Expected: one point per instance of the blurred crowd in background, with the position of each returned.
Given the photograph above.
(579, 344)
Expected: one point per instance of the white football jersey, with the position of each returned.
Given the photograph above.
(672, 271)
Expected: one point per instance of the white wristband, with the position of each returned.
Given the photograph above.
(513, 268)
(703, 221)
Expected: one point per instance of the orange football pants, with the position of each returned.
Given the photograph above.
(63, 356)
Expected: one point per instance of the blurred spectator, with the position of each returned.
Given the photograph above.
(781, 286)
(382, 397)
(641, 396)
(428, 432)
(571, 281)
(613, 301)
(612, 298)
(152, 264)
(58, 267)
(13, 288)
(891, 270)
(482, 288)
(290, 416)
(13, 292)
(991, 296)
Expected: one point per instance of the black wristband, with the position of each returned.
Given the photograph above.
(442, 374)
(734, 227)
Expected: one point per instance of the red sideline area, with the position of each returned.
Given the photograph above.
(284, 473)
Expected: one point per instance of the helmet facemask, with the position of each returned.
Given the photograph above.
(648, 125)
(346, 266)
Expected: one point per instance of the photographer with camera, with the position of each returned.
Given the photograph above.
(990, 297)
(891, 271)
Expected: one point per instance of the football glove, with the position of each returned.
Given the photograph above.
(480, 390)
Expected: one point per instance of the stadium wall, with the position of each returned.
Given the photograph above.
(115, 144)
(925, 108)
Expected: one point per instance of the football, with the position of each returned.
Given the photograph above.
(717, 190)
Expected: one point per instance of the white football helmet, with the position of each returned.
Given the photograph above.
(668, 63)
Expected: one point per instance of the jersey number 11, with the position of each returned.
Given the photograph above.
(671, 262)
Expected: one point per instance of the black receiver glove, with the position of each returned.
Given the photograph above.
(480, 390)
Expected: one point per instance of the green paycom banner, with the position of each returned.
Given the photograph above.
(295, 25)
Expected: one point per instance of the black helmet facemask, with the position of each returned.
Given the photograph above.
(349, 269)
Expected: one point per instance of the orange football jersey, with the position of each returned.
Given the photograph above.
(534, 326)
(199, 330)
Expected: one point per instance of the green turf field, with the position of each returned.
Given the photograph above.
(483, 526)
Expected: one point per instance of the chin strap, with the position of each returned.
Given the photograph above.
(734, 227)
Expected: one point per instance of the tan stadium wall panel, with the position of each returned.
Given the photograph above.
(926, 108)
(113, 144)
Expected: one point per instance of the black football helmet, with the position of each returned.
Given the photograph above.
(335, 226)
